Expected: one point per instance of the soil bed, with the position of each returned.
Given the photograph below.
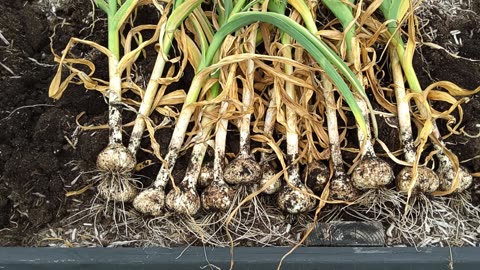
(44, 154)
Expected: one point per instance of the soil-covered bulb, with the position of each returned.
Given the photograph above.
(427, 181)
(446, 177)
(183, 200)
(316, 175)
(372, 173)
(267, 174)
(116, 158)
(295, 200)
(217, 197)
(243, 170)
(150, 202)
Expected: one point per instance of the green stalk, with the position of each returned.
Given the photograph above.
(116, 17)
(405, 126)
(324, 56)
(390, 10)
(394, 10)
(177, 3)
(344, 13)
(113, 39)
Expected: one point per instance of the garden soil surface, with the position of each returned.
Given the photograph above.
(43, 151)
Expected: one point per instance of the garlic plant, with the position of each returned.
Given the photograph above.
(371, 172)
(115, 163)
(115, 159)
(294, 197)
(244, 170)
(218, 195)
(185, 199)
(340, 186)
(312, 44)
(151, 200)
(145, 201)
(268, 172)
(395, 11)
(426, 180)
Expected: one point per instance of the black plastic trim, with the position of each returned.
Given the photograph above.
(245, 258)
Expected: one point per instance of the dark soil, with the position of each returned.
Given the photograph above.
(42, 150)
(436, 65)
(35, 130)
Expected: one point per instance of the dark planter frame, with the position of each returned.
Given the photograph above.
(357, 258)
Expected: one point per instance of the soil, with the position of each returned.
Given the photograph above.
(43, 151)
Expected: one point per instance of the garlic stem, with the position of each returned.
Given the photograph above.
(295, 197)
(115, 102)
(146, 105)
(218, 196)
(404, 121)
(244, 169)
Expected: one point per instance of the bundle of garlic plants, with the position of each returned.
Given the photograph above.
(116, 163)
(232, 20)
(450, 179)
(411, 212)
